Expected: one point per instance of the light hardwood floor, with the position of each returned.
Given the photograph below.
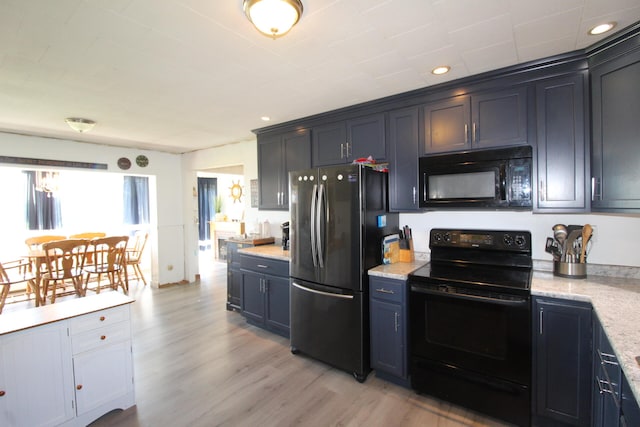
(197, 364)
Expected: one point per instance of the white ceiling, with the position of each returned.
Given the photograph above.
(181, 75)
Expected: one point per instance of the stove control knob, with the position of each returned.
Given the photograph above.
(447, 237)
(521, 241)
(437, 237)
(507, 239)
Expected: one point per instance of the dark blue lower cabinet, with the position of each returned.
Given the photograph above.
(388, 329)
(562, 363)
(613, 402)
(265, 299)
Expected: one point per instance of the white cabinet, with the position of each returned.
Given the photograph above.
(36, 378)
(102, 362)
(67, 363)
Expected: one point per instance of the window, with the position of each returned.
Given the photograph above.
(136, 199)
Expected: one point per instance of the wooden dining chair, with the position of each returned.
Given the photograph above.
(35, 244)
(13, 273)
(134, 254)
(65, 262)
(108, 254)
(88, 236)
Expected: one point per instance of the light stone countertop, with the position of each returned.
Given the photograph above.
(267, 251)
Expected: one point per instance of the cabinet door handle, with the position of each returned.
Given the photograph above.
(415, 194)
(541, 322)
(596, 189)
(79, 387)
(466, 133)
(342, 150)
(349, 148)
(102, 318)
(541, 191)
(385, 291)
(475, 133)
(103, 337)
(2, 393)
(397, 315)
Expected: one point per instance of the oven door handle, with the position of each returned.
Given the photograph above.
(467, 297)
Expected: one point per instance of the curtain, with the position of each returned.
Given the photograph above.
(42, 211)
(207, 192)
(136, 199)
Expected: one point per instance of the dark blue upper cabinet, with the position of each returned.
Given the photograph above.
(476, 121)
(344, 141)
(615, 95)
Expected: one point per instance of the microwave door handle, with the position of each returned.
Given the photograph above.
(503, 182)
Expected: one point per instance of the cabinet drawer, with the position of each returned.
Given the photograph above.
(98, 319)
(387, 290)
(100, 337)
(264, 265)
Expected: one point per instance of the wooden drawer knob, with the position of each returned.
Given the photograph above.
(102, 318)
(79, 387)
(2, 393)
(103, 337)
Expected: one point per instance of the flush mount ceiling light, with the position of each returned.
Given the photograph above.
(602, 28)
(441, 70)
(80, 125)
(273, 18)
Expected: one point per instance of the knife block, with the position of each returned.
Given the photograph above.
(407, 255)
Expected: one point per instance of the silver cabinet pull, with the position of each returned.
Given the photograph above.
(475, 133)
(262, 266)
(541, 191)
(415, 194)
(385, 291)
(541, 322)
(397, 315)
(466, 133)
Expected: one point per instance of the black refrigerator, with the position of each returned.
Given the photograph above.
(338, 219)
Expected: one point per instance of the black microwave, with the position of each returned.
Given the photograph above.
(483, 179)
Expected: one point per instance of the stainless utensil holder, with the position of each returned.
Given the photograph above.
(571, 270)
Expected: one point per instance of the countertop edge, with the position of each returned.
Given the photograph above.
(39, 316)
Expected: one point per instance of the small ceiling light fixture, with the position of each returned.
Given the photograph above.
(602, 28)
(273, 18)
(80, 125)
(443, 69)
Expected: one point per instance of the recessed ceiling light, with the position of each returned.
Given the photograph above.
(265, 118)
(602, 28)
(441, 70)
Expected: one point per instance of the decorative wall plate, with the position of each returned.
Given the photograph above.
(142, 161)
(124, 163)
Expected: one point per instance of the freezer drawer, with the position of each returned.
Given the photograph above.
(329, 324)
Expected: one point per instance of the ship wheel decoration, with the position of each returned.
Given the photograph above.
(236, 191)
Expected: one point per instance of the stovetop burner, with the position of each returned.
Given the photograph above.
(492, 260)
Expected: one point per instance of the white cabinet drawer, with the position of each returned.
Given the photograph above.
(98, 319)
(101, 337)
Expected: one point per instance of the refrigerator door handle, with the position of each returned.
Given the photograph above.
(314, 201)
(328, 294)
(318, 225)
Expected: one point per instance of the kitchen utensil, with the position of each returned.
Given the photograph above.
(551, 246)
(560, 234)
(569, 245)
(587, 232)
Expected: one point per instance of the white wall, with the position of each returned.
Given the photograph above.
(241, 153)
(614, 241)
(166, 239)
